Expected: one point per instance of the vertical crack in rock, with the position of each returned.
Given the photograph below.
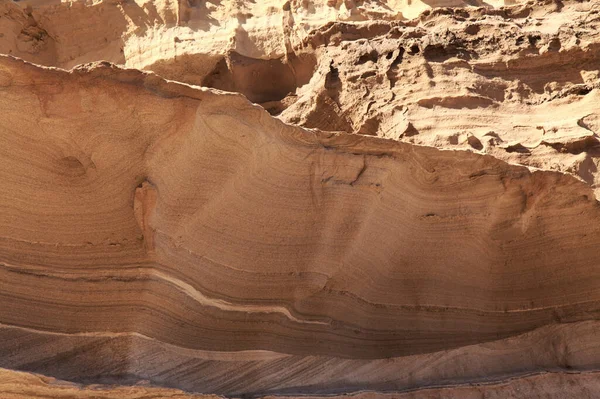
(144, 204)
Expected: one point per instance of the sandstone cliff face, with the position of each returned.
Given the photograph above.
(238, 198)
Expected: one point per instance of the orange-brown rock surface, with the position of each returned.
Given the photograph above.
(382, 199)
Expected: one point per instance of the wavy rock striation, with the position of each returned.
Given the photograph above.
(410, 212)
(26, 386)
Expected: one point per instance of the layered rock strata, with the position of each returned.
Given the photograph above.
(409, 212)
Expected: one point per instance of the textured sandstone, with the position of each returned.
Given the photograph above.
(15, 385)
(409, 210)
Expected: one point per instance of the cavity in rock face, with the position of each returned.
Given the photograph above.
(377, 199)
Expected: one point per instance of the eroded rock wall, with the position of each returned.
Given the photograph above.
(409, 205)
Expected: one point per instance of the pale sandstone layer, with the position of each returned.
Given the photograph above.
(156, 231)
(519, 82)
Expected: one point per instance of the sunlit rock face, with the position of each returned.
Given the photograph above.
(302, 198)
